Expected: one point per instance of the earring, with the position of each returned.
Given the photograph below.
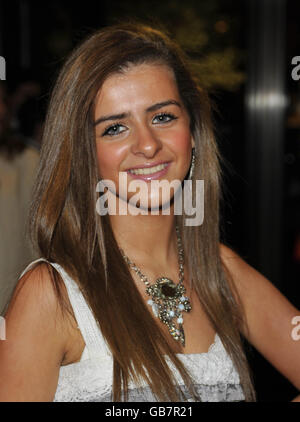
(191, 172)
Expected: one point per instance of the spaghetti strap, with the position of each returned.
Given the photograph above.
(29, 266)
(87, 324)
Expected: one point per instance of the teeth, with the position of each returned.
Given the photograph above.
(149, 170)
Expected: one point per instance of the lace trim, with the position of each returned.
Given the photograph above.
(213, 372)
(207, 393)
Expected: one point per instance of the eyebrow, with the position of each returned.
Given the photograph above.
(154, 107)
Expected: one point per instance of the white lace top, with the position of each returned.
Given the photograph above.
(90, 380)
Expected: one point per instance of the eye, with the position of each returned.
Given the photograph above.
(164, 118)
(114, 130)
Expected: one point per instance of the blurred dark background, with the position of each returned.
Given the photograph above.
(243, 52)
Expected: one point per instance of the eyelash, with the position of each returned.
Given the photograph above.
(117, 125)
(172, 116)
(106, 130)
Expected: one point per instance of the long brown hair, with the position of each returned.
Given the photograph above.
(66, 229)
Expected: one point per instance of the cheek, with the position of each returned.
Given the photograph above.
(181, 143)
(109, 159)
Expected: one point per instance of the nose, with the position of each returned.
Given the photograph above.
(146, 142)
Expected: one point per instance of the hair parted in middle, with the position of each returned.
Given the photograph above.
(65, 227)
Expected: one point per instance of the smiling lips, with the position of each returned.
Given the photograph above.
(148, 173)
(149, 170)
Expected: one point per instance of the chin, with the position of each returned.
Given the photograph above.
(150, 205)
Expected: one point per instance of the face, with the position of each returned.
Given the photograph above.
(142, 129)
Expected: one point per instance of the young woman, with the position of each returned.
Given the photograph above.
(134, 305)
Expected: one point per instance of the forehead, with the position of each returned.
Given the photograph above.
(140, 85)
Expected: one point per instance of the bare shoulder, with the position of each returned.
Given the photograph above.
(37, 336)
(250, 283)
(269, 315)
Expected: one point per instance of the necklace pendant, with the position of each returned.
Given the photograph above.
(182, 336)
(177, 333)
(168, 299)
(168, 302)
(166, 288)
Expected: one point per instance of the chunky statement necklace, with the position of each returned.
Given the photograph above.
(167, 298)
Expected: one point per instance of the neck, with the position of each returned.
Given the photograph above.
(146, 237)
